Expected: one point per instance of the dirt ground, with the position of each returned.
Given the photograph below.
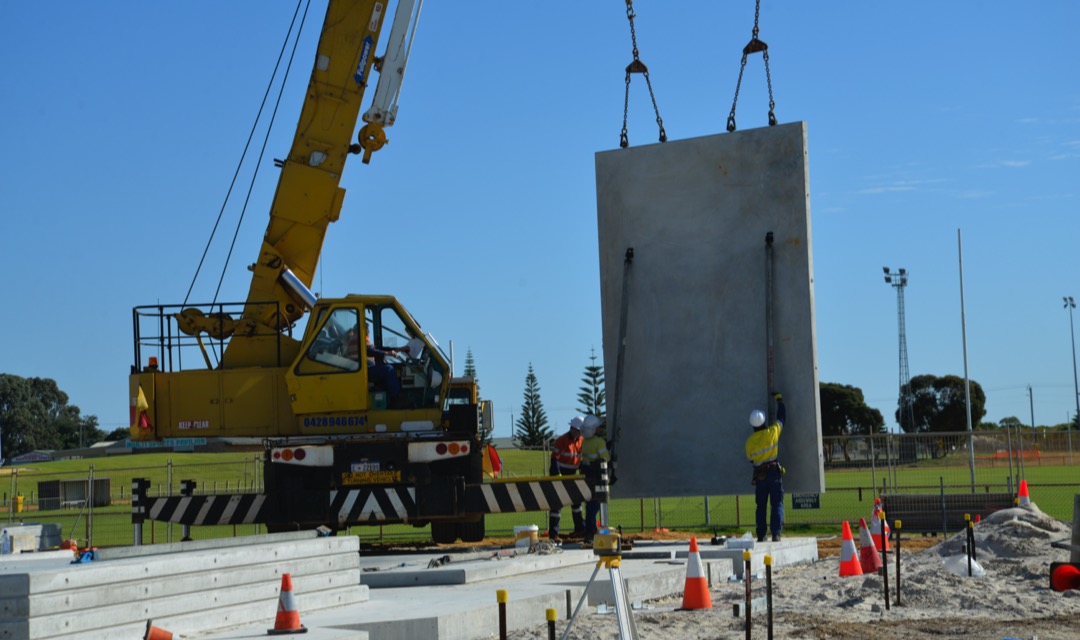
(1008, 595)
(828, 546)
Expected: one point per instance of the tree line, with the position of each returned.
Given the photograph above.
(531, 429)
(934, 404)
(35, 415)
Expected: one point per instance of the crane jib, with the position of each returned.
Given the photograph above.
(365, 53)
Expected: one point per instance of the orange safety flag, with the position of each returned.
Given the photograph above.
(492, 462)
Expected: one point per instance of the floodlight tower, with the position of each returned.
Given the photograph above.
(1070, 304)
(898, 280)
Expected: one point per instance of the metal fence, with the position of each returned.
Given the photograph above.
(857, 470)
(94, 506)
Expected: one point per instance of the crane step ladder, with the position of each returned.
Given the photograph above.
(608, 547)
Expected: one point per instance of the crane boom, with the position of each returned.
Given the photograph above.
(383, 109)
(309, 196)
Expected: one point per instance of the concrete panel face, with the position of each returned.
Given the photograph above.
(696, 213)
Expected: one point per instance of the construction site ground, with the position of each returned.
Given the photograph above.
(405, 590)
(224, 590)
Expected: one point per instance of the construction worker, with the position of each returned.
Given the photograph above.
(566, 461)
(593, 450)
(762, 449)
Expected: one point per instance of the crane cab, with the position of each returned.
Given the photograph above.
(365, 366)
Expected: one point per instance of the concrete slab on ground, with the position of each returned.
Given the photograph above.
(38, 560)
(491, 566)
(438, 609)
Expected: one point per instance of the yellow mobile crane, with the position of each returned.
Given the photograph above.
(361, 421)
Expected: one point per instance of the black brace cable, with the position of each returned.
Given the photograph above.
(247, 145)
(262, 151)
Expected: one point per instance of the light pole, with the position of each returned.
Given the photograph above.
(898, 280)
(967, 380)
(1070, 304)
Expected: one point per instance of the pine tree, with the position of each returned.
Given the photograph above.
(470, 368)
(470, 371)
(591, 398)
(531, 429)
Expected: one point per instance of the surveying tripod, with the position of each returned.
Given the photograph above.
(608, 547)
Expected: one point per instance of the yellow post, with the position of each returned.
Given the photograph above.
(502, 596)
(748, 624)
(768, 596)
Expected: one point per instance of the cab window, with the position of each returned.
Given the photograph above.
(386, 330)
(336, 347)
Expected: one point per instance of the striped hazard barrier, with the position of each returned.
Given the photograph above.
(518, 496)
(245, 508)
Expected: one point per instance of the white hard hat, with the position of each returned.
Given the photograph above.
(590, 425)
(757, 418)
(575, 423)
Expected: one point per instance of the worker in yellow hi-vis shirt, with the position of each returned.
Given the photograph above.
(763, 449)
(593, 450)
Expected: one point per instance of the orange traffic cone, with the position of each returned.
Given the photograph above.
(849, 564)
(1023, 498)
(696, 591)
(869, 559)
(156, 633)
(876, 524)
(288, 618)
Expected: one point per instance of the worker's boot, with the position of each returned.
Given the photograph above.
(579, 526)
(553, 528)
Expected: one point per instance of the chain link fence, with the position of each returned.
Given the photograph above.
(94, 507)
(858, 469)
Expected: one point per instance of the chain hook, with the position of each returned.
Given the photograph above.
(637, 66)
(756, 45)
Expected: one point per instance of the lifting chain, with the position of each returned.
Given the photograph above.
(637, 66)
(755, 45)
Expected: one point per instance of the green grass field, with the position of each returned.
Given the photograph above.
(849, 495)
(206, 468)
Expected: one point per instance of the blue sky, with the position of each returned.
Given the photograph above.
(123, 123)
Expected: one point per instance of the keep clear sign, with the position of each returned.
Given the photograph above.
(806, 501)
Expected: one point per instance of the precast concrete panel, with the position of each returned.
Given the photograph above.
(695, 360)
